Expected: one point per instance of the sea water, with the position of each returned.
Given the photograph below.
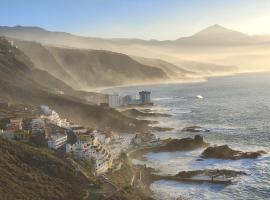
(236, 110)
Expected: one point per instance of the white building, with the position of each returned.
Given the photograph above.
(38, 126)
(54, 118)
(78, 129)
(114, 100)
(56, 141)
(88, 147)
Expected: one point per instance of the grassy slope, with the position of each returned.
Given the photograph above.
(28, 172)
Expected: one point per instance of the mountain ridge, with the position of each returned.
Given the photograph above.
(24, 30)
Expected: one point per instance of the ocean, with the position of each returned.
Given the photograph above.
(236, 110)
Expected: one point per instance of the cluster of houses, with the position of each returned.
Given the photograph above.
(88, 147)
(56, 132)
(99, 147)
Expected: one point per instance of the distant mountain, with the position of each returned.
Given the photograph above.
(214, 44)
(216, 35)
(212, 34)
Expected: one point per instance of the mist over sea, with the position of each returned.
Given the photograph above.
(236, 110)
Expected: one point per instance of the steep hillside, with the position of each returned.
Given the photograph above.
(84, 69)
(104, 68)
(44, 60)
(172, 70)
(28, 172)
(19, 83)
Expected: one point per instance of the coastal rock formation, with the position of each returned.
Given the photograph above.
(161, 129)
(213, 172)
(136, 113)
(171, 145)
(217, 176)
(225, 152)
(182, 144)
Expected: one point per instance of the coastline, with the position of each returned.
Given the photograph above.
(191, 79)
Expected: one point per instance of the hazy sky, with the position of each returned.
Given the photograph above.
(147, 19)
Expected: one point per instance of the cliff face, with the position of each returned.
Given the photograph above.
(83, 69)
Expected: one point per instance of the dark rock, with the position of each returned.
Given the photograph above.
(198, 139)
(225, 152)
(222, 176)
(161, 129)
(199, 159)
(183, 144)
(213, 172)
(136, 113)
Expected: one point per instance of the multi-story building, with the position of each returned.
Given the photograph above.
(145, 97)
(38, 127)
(54, 118)
(114, 100)
(127, 99)
(57, 140)
(78, 129)
(97, 98)
(88, 147)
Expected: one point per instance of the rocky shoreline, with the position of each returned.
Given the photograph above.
(146, 113)
(172, 145)
(225, 152)
(214, 176)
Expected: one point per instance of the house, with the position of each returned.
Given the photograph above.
(78, 129)
(57, 140)
(15, 124)
(37, 127)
